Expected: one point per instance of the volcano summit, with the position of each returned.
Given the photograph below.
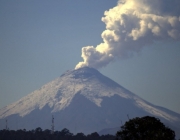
(81, 100)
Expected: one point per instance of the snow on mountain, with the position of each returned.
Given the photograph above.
(84, 90)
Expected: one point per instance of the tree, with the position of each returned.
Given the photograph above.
(79, 136)
(145, 128)
(93, 136)
(65, 132)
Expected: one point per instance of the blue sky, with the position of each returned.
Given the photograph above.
(40, 40)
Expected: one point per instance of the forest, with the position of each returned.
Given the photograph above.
(144, 128)
(39, 134)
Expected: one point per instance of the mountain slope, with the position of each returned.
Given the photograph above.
(81, 100)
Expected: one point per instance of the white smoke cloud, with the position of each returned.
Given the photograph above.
(130, 26)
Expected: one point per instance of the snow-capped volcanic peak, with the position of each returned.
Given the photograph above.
(59, 93)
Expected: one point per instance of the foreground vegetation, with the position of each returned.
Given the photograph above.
(39, 134)
(145, 128)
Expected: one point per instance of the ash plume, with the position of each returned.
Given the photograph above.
(130, 26)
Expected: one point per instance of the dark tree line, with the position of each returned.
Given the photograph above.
(39, 134)
(145, 128)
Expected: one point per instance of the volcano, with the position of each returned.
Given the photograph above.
(82, 100)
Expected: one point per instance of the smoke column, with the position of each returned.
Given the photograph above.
(130, 26)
